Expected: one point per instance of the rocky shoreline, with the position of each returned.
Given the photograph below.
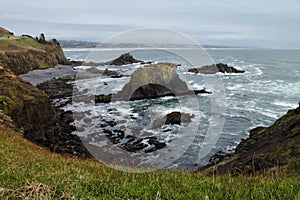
(62, 88)
(29, 110)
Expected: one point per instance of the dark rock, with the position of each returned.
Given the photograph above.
(58, 87)
(212, 69)
(116, 135)
(134, 147)
(274, 147)
(111, 73)
(256, 130)
(103, 98)
(116, 76)
(202, 92)
(146, 62)
(157, 145)
(151, 91)
(42, 39)
(178, 118)
(43, 124)
(75, 63)
(149, 82)
(124, 59)
(54, 42)
(153, 81)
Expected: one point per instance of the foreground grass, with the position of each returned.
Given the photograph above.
(23, 163)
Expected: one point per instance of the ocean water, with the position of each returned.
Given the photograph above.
(268, 89)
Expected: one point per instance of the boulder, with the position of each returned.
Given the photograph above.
(178, 118)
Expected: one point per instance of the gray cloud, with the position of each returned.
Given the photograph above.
(270, 23)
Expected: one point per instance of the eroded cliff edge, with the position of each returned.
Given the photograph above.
(268, 149)
(21, 54)
(25, 107)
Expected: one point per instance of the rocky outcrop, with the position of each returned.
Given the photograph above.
(124, 59)
(29, 107)
(271, 149)
(58, 87)
(25, 107)
(23, 54)
(151, 81)
(212, 69)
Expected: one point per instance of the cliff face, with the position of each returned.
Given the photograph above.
(276, 147)
(28, 106)
(25, 107)
(25, 53)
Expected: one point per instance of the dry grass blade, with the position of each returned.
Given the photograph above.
(34, 191)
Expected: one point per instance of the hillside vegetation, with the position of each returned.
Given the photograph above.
(21, 54)
(27, 169)
(265, 166)
(267, 149)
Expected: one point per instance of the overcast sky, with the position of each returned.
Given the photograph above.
(249, 23)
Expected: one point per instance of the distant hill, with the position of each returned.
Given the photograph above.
(88, 44)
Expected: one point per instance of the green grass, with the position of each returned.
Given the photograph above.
(23, 163)
(20, 43)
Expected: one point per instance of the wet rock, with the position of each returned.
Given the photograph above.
(212, 69)
(153, 81)
(146, 62)
(102, 98)
(124, 59)
(149, 82)
(138, 145)
(58, 87)
(111, 73)
(134, 142)
(157, 145)
(178, 118)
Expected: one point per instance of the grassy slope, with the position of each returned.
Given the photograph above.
(9, 42)
(23, 163)
(275, 146)
(24, 53)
